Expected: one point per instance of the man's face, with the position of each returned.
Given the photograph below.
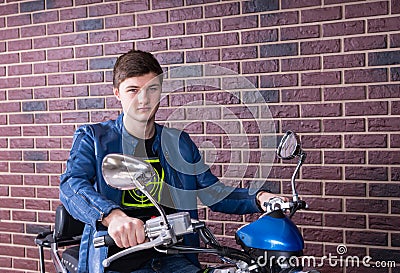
(140, 97)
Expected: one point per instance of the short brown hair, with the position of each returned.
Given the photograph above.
(135, 63)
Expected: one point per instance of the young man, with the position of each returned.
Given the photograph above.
(137, 83)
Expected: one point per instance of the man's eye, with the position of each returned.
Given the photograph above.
(132, 90)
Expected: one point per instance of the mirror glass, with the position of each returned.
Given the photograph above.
(289, 146)
(125, 172)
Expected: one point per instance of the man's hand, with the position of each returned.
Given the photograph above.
(125, 231)
(264, 196)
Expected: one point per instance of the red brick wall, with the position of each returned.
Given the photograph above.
(329, 69)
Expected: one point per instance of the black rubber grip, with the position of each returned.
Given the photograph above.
(105, 240)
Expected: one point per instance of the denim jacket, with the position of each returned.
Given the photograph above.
(88, 198)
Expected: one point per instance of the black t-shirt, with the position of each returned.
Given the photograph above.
(136, 204)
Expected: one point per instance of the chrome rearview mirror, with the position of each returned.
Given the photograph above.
(289, 147)
(126, 172)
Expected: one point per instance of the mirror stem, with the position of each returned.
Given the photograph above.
(302, 158)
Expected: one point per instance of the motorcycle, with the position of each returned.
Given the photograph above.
(268, 245)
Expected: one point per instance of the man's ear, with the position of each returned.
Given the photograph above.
(116, 93)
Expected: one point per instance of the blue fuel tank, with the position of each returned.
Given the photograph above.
(273, 232)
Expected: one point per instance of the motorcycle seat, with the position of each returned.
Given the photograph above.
(70, 258)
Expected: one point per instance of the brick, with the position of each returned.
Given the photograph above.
(65, 104)
(90, 24)
(297, 33)
(120, 21)
(202, 55)
(9, 9)
(20, 94)
(366, 108)
(345, 93)
(59, 28)
(301, 126)
(48, 143)
(167, 30)
(73, 13)
(278, 50)
(385, 255)
(21, 119)
(19, 45)
(34, 106)
(279, 19)
(133, 6)
(284, 111)
(343, 28)
(47, 93)
(367, 238)
(383, 24)
(322, 172)
(20, 69)
(384, 222)
(118, 48)
(240, 22)
(325, 204)
(366, 9)
(160, 4)
(367, 205)
(88, 51)
(35, 131)
(197, 2)
(9, 83)
(61, 79)
(135, 33)
(253, 67)
(320, 78)
(383, 189)
(224, 39)
(18, 20)
(185, 42)
(327, 235)
(10, 58)
(75, 91)
(384, 58)
(395, 74)
(203, 26)
(291, 4)
(366, 173)
(344, 157)
(239, 53)
(347, 189)
(102, 10)
(365, 43)
(68, 66)
(301, 64)
(33, 56)
(365, 141)
(184, 14)
(320, 142)
(301, 95)
(152, 18)
(395, 40)
(60, 54)
(259, 6)
(33, 81)
(46, 118)
(344, 61)
(395, 6)
(58, 4)
(321, 14)
(345, 220)
(152, 45)
(318, 47)
(321, 110)
(10, 156)
(259, 36)
(219, 10)
(272, 81)
(383, 157)
(89, 77)
(31, 6)
(45, 17)
(45, 68)
(91, 103)
(9, 34)
(103, 36)
(45, 42)
(366, 75)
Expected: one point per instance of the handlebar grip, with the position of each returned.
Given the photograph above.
(105, 240)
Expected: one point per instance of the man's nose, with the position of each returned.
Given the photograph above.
(143, 96)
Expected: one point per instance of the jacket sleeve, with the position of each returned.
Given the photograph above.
(77, 184)
(218, 196)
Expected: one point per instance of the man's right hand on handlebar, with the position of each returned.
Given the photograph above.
(126, 231)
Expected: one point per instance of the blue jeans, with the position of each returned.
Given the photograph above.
(167, 264)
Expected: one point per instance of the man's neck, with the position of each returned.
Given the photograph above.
(142, 130)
